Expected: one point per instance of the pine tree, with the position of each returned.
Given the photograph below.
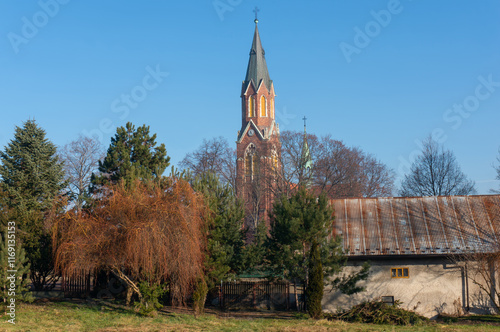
(132, 154)
(32, 178)
(19, 264)
(297, 223)
(314, 290)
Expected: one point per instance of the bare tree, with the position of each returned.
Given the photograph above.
(81, 158)
(378, 178)
(497, 168)
(483, 269)
(213, 155)
(337, 170)
(436, 173)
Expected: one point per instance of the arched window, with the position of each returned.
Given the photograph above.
(263, 106)
(251, 161)
(251, 106)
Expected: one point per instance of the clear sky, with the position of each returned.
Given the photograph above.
(379, 75)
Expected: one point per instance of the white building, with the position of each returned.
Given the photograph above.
(415, 245)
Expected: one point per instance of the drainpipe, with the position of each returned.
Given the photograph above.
(467, 286)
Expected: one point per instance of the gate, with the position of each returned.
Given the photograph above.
(255, 294)
(78, 285)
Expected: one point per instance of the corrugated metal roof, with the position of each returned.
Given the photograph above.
(418, 225)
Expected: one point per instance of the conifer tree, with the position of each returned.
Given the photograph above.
(314, 289)
(132, 154)
(20, 265)
(32, 178)
(225, 243)
(297, 223)
(32, 174)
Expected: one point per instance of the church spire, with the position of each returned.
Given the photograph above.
(257, 67)
(306, 160)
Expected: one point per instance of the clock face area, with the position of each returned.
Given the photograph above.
(251, 132)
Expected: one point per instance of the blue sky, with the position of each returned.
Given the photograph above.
(379, 75)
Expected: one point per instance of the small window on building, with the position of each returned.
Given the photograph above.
(388, 299)
(400, 272)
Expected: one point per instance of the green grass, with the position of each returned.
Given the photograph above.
(64, 316)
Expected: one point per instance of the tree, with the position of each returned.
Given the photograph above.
(225, 233)
(132, 154)
(32, 178)
(81, 158)
(314, 289)
(32, 174)
(483, 269)
(296, 224)
(214, 156)
(337, 170)
(497, 168)
(21, 266)
(143, 231)
(436, 173)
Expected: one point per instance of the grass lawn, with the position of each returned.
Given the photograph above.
(65, 316)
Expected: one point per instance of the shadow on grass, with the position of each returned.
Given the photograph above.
(472, 319)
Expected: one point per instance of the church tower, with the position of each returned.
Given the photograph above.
(258, 146)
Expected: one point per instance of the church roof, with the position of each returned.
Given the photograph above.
(443, 225)
(257, 67)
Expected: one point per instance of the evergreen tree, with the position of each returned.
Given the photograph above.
(132, 154)
(296, 224)
(19, 264)
(32, 178)
(314, 289)
(225, 243)
(32, 174)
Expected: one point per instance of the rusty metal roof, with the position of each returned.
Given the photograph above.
(417, 225)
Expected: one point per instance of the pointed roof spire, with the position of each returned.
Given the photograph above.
(257, 67)
(306, 160)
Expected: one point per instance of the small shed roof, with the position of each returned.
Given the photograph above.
(418, 225)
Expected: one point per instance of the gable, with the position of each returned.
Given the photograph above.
(417, 225)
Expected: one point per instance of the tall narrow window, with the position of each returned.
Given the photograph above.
(272, 108)
(274, 160)
(251, 106)
(248, 165)
(251, 161)
(263, 106)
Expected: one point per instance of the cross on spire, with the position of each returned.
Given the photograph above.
(256, 10)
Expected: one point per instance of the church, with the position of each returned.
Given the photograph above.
(415, 245)
(258, 144)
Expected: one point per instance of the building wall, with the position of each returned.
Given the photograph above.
(434, 286)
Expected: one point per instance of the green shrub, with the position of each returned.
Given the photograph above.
(150, 298)
(200, 295)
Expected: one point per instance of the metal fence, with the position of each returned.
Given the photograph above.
(255, 295)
